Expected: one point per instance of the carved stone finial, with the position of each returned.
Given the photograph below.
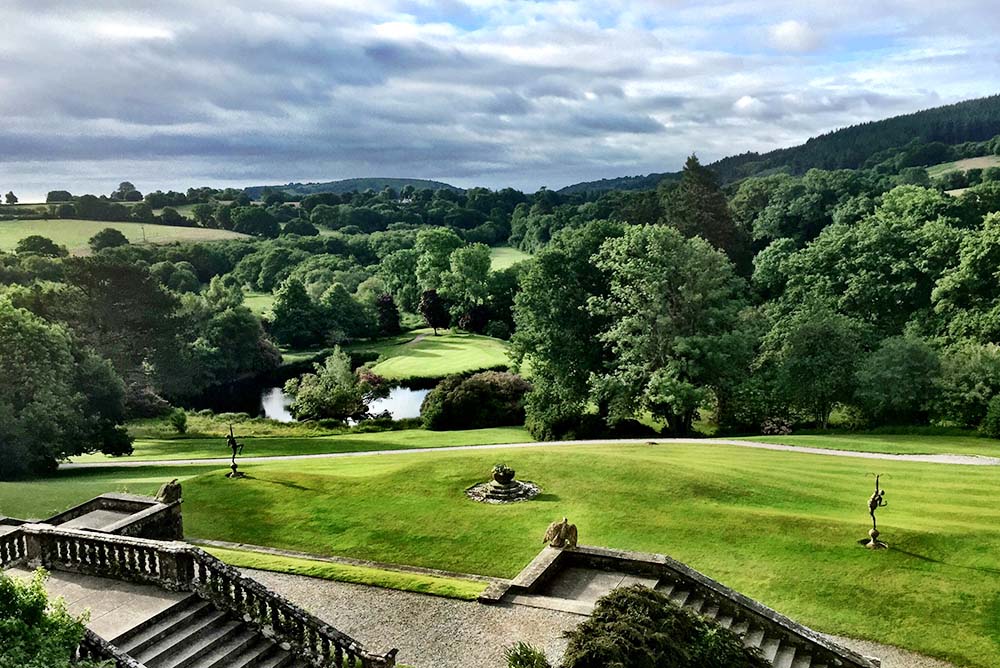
(169, 492)
(561, 534)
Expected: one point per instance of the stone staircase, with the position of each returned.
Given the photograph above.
(573, 580)
(779, 649)
(194, 634)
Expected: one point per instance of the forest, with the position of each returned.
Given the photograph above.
(862, 297)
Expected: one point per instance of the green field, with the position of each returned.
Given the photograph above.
(964, 165)
(420, 354)
(502, 257)
(781, 527)
(167, 448)
(74, 234)
(905, 444)
(260, 303)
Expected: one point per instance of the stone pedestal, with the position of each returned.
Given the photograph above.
(875, 543)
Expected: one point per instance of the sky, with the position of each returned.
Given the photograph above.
(172, 94)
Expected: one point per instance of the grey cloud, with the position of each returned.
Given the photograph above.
(511, 94)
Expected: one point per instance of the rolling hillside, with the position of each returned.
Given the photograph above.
(351, 185)
(846, 148)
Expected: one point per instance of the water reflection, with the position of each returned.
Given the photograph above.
(274, 404)
(401, 403)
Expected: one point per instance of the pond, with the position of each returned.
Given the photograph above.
(401, 403)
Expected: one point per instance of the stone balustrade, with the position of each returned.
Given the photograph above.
(93, 647)
(12, 548)
(178, 566)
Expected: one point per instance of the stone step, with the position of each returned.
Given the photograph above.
(191, 653)
(711, 612)
(276, 658)
(695, 605)
(769, 648)
(725, 621)
(554, 603)
(754, 638)
(802, 660)
(130, 637)
(152, 634)
(785, 657)
(160, 653)
(680, 597)
(740, 627)
(665, 587)
(240, 650)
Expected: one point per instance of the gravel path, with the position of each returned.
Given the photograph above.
(430, 632)
(968, 460)
(892, 657)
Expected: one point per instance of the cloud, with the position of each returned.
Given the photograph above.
(793, 36)
(479, 92)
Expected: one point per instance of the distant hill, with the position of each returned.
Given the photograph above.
(352, 185)
(847, 148)
(647, 182)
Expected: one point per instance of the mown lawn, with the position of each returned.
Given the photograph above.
(44, 497)
(419, 354)
(74, 234)
(502, 257)
(781, 527)
(152, 449)
(907, 444)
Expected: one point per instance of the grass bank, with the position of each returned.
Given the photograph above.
(466, 590)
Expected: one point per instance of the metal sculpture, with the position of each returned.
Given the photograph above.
(876, 501)
(237, 449)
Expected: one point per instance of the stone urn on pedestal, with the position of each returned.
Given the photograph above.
(503, 475)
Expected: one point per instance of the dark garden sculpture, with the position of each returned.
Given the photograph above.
(237, 449)
(561, 534)
(876, 501)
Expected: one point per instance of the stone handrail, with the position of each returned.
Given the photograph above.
(93, 647)
(321, 643)
(178, 566)
(12, 548)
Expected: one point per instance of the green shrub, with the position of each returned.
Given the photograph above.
(179, 421)
(523, 655)
(487, 399)
(991, 423)
(36, 632)
(636, 626)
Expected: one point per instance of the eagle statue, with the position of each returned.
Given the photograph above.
(561, 534)
(169, 492)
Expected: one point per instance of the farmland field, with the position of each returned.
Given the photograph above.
(982, 162)
(74, 233)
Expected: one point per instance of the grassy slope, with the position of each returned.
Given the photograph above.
(502, 257)
(436, 585)
(74, 234)
(153, 449)
(964, 165)
(891, 443)
(432, 356)
(781, 527)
